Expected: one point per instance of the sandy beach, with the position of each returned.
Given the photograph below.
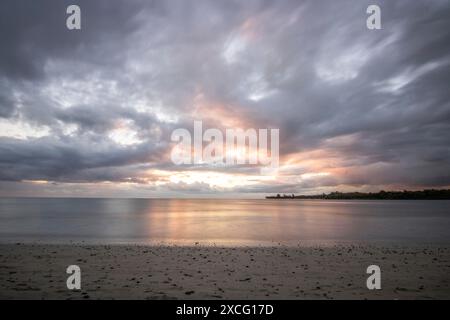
(37, 271)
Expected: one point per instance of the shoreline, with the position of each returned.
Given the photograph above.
(227, 244)
(37, 271)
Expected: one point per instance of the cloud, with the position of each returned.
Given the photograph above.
(356, 108)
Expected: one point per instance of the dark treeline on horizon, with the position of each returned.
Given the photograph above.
(430, 194)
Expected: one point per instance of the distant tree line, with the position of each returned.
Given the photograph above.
(429, 194)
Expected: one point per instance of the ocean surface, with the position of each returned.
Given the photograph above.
(221, 222)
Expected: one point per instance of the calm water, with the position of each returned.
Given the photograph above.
(222, 221)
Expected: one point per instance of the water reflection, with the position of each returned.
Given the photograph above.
(221, 221)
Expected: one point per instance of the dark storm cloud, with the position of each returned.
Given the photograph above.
(33, 32)
(6, 106)
(377, 100)
(64, 158)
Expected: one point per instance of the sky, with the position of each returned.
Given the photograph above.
(90, 112)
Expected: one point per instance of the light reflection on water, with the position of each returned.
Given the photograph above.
(221, 221)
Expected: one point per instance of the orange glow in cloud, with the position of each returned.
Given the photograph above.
(222, 115)
(248, 30)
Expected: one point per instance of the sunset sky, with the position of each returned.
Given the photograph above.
(90, 112)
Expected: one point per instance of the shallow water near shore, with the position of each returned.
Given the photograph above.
(222, 221)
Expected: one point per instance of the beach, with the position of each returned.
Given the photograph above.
(305, 271)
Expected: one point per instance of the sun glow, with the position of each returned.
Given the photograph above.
(217, 179)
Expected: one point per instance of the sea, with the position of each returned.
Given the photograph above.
(222, 221)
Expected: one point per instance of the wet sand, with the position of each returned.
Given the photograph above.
(37, 271)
